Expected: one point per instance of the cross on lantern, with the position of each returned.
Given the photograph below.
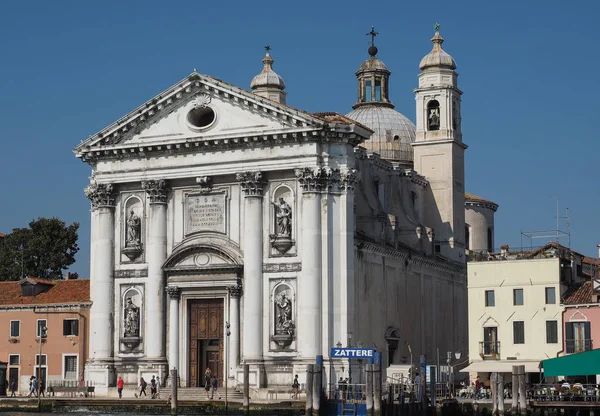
(372, 33)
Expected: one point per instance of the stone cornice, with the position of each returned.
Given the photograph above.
(481, 204)
(68, 306)
(241, 140)
(415, 177)
(411, 258)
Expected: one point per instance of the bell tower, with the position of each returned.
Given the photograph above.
(439, 150)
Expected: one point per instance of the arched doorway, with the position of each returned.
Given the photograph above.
(392, 339)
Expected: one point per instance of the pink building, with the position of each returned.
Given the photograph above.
(581, 318)
(62, 306)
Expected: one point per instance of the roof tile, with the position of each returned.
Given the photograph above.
(60, 292)
(582, 295)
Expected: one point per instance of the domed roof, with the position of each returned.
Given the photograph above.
(372, 63)
(267, 77)
(393, 132)
(437, 58)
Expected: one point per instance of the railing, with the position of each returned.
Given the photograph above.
(489, 349)
(578, 345)
(355, 393)
(565, 392)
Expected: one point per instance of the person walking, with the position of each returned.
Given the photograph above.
(42, 387)
(215, 387)
(296, 387)
(207, 376)
(158, 387)
(120, 385)
(13, 388)
(143, 386)
(207, 388)
(34, 387)
(153, 388)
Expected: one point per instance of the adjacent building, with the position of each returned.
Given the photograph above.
(516, 308)
(581, 318)
(61, 306)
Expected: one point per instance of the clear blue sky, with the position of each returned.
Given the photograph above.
(529, 72)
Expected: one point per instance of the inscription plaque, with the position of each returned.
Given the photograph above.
(205, 213)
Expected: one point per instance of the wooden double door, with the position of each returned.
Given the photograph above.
(206, 322)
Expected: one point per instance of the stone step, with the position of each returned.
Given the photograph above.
(199, 394)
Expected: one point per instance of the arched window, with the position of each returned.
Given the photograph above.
(490, 239)
(433, 115)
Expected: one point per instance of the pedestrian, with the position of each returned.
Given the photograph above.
(153, 388)
(215, 387)
(207, 388)
(13, 387)
(120, 384)
(295, 387)
(30, 386)
(157, 387)
(42, 387)
(143, 386)
(207, 376)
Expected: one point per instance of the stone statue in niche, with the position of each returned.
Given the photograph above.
(133, 236)
(284, 315)
(434, 118)
(281, 240)
(131, 320)
(283, 213)
(134, 227)
(284, 325)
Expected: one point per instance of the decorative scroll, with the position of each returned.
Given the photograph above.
(157, 191)
(349, 180)
(206, 184)
(252, 183)
(235, 291)
(101, 195)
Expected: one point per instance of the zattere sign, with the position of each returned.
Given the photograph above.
(353, 353)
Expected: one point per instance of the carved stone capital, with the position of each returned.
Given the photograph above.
(157, 191)
(101, 195)
(349, 180)
(206, 184)
(252, 183)
(235, 291)
(318, 179)
(173, 292)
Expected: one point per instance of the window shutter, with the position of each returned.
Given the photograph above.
(76, 327)
(65, 327)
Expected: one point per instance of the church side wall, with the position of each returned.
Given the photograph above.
(426, 304)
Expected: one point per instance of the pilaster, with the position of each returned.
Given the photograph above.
(252, 184)
(157, 191)
(174, 295)
(235, 293)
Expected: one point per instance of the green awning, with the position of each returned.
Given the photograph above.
(580, 364)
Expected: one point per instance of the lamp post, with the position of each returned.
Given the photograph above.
(228, 332)
(43, 335)
(349, 345)
(457, 355)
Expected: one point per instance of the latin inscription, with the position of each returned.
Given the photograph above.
(205, 213)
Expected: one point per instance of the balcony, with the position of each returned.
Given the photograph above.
(489, 350)
(578, 345)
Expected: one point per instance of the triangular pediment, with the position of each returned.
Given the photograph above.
(177, 118)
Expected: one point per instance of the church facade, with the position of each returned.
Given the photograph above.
(230, 228)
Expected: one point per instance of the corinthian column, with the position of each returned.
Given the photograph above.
(102, 291)
(174, 294)
(156, 254)
(309, 285)
(252, 184)
(235, 292)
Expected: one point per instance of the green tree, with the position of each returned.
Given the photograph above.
(43, 250)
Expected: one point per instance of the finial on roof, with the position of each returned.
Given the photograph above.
(436, 27)
(267, 48)
(372, 48)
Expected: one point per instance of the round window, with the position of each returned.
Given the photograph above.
(201, 117)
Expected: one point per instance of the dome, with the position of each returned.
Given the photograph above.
(267, 77)
(437, 58)
(372, 63)
(393, 132)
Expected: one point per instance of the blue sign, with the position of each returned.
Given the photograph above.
(349, 353)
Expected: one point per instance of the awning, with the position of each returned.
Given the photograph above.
(580, 364)
(500, 366)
